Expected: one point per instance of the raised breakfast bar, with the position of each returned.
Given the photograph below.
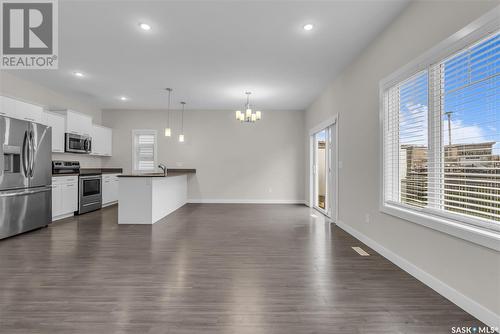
(146, 198)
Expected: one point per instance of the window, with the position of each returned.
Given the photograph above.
(441, 137)
(144, 150)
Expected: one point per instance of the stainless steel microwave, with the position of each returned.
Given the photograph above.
(77, 144)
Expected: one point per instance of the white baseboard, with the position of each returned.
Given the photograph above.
(109, 204)
(247, 201)
(66, 215)
(487, 316)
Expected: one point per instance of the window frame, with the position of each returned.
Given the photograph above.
(478, 231)
(136, 132)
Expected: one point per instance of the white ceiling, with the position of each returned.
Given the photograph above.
(210, 52)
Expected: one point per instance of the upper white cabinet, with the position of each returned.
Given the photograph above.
(101, 140)
(57, 122)
(21, 110)
(79, 124)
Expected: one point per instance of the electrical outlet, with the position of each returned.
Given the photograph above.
(179, 164)
(367, 218)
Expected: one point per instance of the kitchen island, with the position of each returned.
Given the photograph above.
(147, 198)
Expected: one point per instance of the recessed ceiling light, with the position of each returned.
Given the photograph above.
(145, 26)
(123, 98)
(308, 27)
(78, 74)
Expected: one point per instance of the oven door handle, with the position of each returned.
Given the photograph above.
(90, 177)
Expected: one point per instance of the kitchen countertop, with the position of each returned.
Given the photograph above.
(84, 171)
(170, 172)
(93, 171)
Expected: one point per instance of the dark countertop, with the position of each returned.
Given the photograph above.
(93, 171)
(170, 172)
(84, 171)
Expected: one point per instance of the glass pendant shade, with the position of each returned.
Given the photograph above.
(181, 138)
(258, 115)
(249, 113)
(168, 132)
(254, 117)
(238, 114)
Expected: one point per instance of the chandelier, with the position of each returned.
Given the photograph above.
(248, 116)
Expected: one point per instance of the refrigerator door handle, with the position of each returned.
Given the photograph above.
(12, 193)
(32, 153)
(25, 154)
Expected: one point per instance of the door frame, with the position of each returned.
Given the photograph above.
(333, 182)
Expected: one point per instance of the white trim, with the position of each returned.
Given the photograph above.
(135, 132)
(486, 24)
(109, 204)
(461, 228)
(469, 305)
(66, 215)
(477, 235)
(332, 121)
(326, 123)
(246, 201)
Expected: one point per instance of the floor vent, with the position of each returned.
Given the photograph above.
(360, 251)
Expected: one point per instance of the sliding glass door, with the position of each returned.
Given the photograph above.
(323, 178)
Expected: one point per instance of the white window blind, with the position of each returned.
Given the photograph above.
(442, 137)
(144, 150)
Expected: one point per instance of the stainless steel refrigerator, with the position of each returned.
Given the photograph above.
(25, 176)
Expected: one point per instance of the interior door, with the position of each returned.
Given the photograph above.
(41, 163)
(332, 171)
(320, 140)
(13, 154)
(324, 171)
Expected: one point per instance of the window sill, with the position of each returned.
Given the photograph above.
(484, 237)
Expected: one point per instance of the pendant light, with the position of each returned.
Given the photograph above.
(248, 116)
(181, 136)
(168, 130)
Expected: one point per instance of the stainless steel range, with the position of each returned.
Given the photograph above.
(89, 184)
(25, 178)
(90, 192)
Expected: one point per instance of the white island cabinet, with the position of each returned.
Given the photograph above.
(147, 198)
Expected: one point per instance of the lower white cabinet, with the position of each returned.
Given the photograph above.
(64, 196)
(109, 188)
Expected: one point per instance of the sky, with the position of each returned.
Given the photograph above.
(472, 94)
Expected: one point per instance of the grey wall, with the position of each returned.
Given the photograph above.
(252, 162)
(471, 269)
(16, 87)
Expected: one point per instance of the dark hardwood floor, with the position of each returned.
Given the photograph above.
(210, 268)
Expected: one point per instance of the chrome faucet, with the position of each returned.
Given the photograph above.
(163, 168)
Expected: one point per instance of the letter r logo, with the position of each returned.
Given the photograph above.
(27, 28)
